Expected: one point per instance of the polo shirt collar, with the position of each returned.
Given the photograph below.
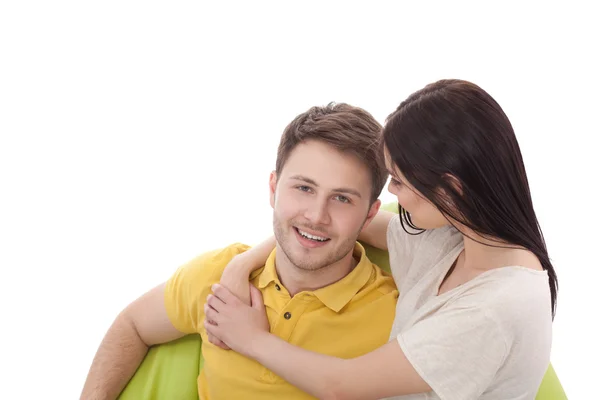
(336, 295)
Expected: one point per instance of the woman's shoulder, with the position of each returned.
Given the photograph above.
(513, 296)
(510, 285)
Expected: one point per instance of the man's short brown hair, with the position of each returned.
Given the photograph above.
(347, 128)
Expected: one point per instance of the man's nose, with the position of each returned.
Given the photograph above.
(318, 212)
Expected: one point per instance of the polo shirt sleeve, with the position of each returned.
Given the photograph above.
(187, 289)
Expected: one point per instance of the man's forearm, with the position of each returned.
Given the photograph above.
(120, 354)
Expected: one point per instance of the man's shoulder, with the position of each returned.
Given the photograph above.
(380, 280)
(378, 292)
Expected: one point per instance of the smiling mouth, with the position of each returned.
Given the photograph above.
(306, 235)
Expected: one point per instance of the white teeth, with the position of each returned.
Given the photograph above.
(313, 237)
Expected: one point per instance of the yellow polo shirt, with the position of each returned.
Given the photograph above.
(346, 319)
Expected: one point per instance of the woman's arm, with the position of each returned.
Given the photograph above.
(237, 272)
(375, 233)
(382, 373)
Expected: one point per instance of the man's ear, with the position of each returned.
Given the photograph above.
(272, 187)
(372, 212)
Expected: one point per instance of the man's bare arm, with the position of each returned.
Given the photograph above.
(140, 325)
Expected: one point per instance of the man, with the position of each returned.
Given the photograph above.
(320, 290)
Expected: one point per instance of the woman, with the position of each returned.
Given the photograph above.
(477, 289)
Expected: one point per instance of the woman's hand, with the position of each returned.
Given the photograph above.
(236, 276)
(234, 323)
(235, 279)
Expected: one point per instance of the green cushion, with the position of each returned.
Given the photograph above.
(170, 371)
(551, 389)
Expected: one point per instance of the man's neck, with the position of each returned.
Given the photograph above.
(297, 280)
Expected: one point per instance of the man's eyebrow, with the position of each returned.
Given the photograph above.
(305, 179)
(351, 191)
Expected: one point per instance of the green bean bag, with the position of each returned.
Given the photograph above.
(170, 370)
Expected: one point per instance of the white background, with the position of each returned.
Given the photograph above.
(136, 135)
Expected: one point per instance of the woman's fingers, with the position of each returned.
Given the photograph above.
(216, 341)
(211, 320)
(214, 302)
(212, 315)
(223, 294)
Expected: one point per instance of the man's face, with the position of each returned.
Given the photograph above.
(321, 201)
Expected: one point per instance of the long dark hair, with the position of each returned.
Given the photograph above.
(452, 141)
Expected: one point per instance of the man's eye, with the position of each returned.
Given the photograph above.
(303, 188)
(343, 199)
